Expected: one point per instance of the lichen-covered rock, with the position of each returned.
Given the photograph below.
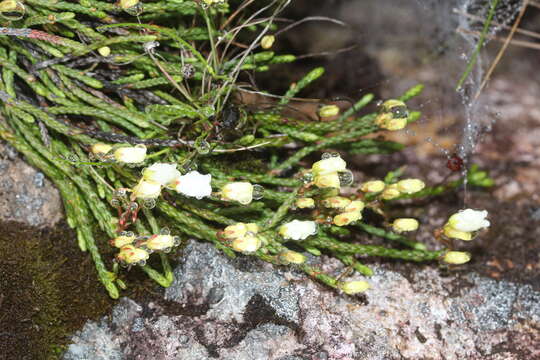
(26, 196)
(244, 309)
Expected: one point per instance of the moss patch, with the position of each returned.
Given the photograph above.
(49, 289)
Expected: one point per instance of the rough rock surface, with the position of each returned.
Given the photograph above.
(26, 196)
(244, 309)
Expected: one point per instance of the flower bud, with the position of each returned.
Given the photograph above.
(122, 240)
(353, 287)
(104, 51)
(330, 165)
(267, 41)
(456, 234)
(469, 220)
(346, 218)
(405, 224)
(239, 230)
(100, 149)
(291, 257)
(355, 206)
(160, 242)
(394, 124)
(129, 254)
(410, 186)
(246, 244)
(128, 4)
(390, 192)
(147, 190)
(235, 231)
(336, 202)
(328, 111)
(305, 203)
(456, 257)
(298, 230)
(330, 180)
(161, 173)
(373, 186)
(130, 155)
(241, 192)
(194, 184)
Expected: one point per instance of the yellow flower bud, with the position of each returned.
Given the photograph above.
(234, 231)
(393, 115)
(347, 218)
(239, 230)
(305, 203)
(130, 155)
(456, 234)
(246, 244)
(405, 224)
(129, 254)
(8, 6)
(160, 242)
(328, 111)
(390, 192)
(373, 186)
(128, 4)
(291, 257)
(456, 257)
(101, 149)
(330, 165)
(267, 41)
(104, 51)
(353, 287)
(241, 192)
(147, 190)
(330, 180)
(123, 240)
(355, 206)
(410, 186)
(336, 202)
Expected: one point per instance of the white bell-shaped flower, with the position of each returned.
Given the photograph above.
(147, 190)
(298, 230)
(469, 220)
(241, 192)
(194, 184)
(130, 155)
(161, 173)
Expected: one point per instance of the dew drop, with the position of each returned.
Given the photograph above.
(118, 193)
(308, 177)
(115, 202)
(135, 10)
(133, 206)
(258, 192)
(202, 147)
(346, 178)
(326, 155)
(149, 203)
(165, 231)
(128, 233)
(141, 263)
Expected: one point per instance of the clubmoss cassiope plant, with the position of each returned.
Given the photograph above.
(93, 92)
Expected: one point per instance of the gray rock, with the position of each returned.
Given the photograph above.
(244, 309)
(26, 196)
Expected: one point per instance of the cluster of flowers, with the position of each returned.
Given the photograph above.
(135, 250)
